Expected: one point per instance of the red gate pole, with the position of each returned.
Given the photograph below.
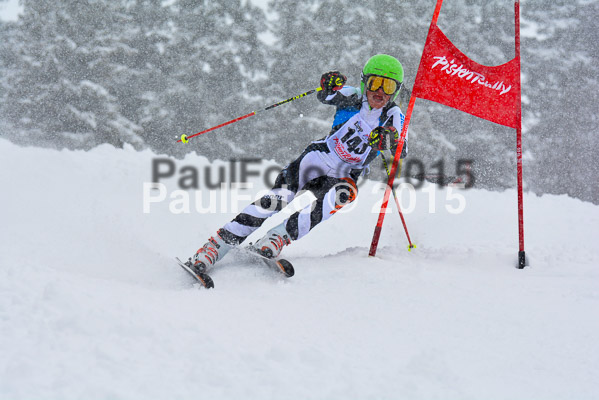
(521, 253)
(379, 224)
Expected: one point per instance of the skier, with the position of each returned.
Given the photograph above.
(366, 120)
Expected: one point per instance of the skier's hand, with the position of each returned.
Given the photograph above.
(375, 138)
(332, 81)
(383, 138)
(393, 137)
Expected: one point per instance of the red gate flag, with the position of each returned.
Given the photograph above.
(448, 76)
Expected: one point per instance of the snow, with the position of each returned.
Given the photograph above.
(92, 306)
(10, 10)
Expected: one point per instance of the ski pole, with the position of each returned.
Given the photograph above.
(403, 221)
(185, 138)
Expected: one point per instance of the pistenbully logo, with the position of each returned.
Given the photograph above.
(453, 69)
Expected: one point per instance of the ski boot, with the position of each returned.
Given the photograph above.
(272, 243)
(207, 255)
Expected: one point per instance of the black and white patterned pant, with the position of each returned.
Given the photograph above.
(332, 188)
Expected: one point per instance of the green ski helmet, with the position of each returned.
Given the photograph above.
(383, 65)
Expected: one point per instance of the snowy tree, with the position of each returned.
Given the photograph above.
(58, 95)
(297, 61)
(146, 71)
(560, 55)
(218, 65)
(8, 66)
(140, 63)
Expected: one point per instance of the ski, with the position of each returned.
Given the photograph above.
(278, 264)
(203, 278)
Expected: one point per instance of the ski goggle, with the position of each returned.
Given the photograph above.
(375, 82)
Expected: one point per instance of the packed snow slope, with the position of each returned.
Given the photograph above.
(93, 307)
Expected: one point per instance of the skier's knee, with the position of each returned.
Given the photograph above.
(346, 192)
(272, 202)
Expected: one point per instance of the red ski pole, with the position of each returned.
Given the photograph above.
(185, 138)
(403, 221)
